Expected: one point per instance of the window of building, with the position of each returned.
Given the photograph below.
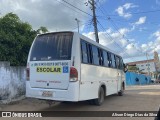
(147, 64)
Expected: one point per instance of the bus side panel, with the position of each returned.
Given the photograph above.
(76, 56)
(92, 77)
(121, 79)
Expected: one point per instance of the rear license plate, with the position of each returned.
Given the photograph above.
(47, 93)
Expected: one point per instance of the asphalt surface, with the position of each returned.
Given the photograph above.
(136, 98)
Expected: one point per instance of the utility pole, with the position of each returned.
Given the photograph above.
(147, 64)
(78, 21)
(92, 3)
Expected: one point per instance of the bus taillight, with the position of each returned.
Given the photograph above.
(27, 74)
(73, 74)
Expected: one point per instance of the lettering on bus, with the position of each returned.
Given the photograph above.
(49, 69)
(50, 64)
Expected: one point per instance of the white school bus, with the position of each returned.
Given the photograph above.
(67, 66)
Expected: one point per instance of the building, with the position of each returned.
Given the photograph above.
(144, 66)
(148, 67)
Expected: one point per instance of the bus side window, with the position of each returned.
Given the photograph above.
(105, 59)
(84, 52)
(109, 59)
(118, 62)
(113, 61)
(90, 56)
(95, 55)
(121, 64)
(101, 58)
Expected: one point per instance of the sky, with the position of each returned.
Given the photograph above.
(131, 28)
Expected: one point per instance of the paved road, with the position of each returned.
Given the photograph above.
(136, 98)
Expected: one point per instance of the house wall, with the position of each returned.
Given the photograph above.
(12, 82)
(147, 67)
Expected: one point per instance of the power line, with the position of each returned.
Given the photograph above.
(81, 11)
(66, 5)
(92, 3)
(115, 41)
(115, 26)
(109, 34)
(124, 21)
(125, 37)
(133, 44)
(76, 8)
(86, 23)
(151, 11)
(135, 13)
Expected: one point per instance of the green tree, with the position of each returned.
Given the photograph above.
(16, 38)
(42, 30)
(132, 68)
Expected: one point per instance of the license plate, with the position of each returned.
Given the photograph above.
(47, 93)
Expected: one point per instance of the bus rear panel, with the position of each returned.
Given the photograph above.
(49, 71)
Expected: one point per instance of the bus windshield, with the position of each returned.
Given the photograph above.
(53, 46)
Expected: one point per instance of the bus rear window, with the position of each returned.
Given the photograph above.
(53, 46)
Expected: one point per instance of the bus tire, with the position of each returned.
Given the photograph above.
(121, 92)
(101, 96)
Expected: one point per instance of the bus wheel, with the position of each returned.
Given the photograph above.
(100, 98)
(121, 92)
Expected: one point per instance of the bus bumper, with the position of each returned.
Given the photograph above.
(70, 94)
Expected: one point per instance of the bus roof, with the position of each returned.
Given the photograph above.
(95, 43)
(84, 38)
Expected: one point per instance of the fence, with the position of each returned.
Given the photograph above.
(12, 82)
(137, 79)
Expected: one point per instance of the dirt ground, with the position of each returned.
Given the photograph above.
(136, 98)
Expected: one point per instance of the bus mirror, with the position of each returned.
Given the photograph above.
(125, 68)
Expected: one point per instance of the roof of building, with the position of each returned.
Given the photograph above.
(140, 62)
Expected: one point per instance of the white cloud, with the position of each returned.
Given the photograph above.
(50, 13)
(90, 35)
(121, 10)
(141, 20)
(129, 5)
(123, 31)
(120, 33)
(113, 41)
(128, 48)
(158, 2)
(157, 36)
(142, 28)
(56, 16)
(144, 47)
(153, 45)
(123, 42)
